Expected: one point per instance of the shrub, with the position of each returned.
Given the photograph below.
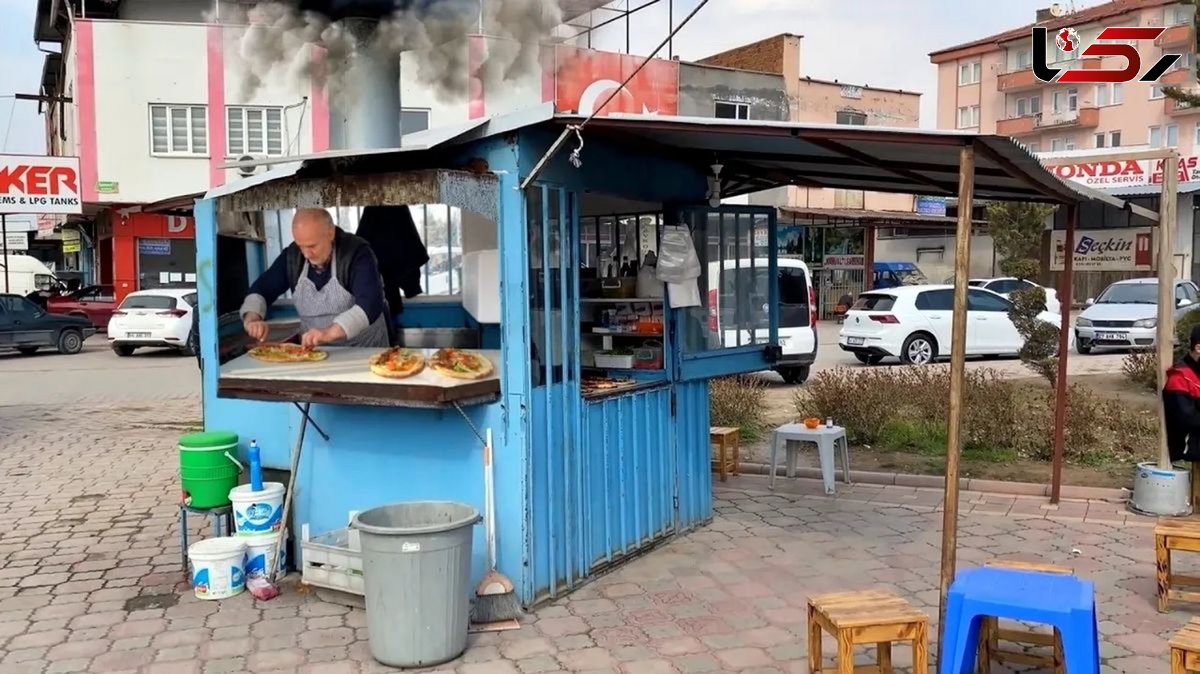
(1141, 368)
(739, 402)
(907, 409)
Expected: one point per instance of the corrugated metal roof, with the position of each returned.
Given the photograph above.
(1148, 190)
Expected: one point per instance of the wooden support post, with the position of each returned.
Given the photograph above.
(1064, 346)
(958, 348)
(1166, 291)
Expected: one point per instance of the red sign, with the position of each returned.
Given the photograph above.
(33, 184)
(1067, 41)
(1125, 172)
(585, 79)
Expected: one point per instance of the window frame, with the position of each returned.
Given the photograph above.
(738, 109)
(972, 116)
(264, 124)
(974, 73)
(851, 114)
(189, 108)
(427, 112)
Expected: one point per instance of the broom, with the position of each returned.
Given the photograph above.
(263, 587)
(494, 598)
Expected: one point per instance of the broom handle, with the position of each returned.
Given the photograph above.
(489, 492)
(291, 489)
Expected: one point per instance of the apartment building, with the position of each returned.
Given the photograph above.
(987, 85)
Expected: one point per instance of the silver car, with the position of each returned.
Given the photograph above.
(1125, 315)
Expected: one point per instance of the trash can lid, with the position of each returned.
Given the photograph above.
(417, 518)
(208, 439)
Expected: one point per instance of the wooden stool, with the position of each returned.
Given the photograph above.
(869, 617)
(1175, 534)
(726, 439)
(1185, 648)
(991, 634)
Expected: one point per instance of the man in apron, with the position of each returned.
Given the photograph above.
(335, 282)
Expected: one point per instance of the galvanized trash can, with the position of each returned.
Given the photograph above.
(417, 574)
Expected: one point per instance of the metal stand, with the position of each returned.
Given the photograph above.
(222, 525)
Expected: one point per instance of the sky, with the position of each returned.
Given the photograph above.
(881, 43)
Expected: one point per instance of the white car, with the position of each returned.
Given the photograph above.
(913, 323)
(741, 303)
(1005, 287)
(153, 318)
(1126, 314)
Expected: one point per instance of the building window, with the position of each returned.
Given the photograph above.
(968, 117)
(1186, 61)
(851, 117)
(1197, 141)
(255, 131)
(1116, 93)
(970, 73)
(413, 120)
(1100, 140)
(1168, 134)
(1172, 135)
(179, 130)
(1114, 139)
(1031, 105)
(1035, 147)
(1179, 14)
(1108, 94)
(1061, 144)
(1156, 92)
(1065, 101)
(727, 110)
(1024, 59)
(1155, 136)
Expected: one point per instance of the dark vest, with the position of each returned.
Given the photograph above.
(347, 247)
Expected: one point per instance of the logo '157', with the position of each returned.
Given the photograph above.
(1067, 42)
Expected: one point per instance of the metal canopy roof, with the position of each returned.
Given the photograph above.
(756, 156)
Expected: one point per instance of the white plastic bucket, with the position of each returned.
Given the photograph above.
(257, 512)
(260, 553)
(217, 571)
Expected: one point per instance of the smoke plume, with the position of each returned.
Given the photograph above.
(282, 41)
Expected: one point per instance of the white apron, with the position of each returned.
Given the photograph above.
(318, 308)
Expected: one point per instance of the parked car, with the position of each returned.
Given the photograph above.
(913, 323)
(896, 274)
(1008, 285)
(95, 303)
(25, 275)
(25, 327)
(743, 289)
(153, 318)
(1125, 315)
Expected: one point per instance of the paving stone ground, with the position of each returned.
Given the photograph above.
(90, 575)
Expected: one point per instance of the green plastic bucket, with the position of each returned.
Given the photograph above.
(208, 468)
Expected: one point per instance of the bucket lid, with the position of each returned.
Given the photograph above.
(225, 545)
(208, 439)
(416, 518)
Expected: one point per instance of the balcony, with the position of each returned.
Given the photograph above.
(1083, 118)
(1176, 109)
(1018, 80)
(1182, 35)
(1176, 77)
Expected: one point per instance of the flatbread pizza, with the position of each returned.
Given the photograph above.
(397, 363)
(459, 364)
(286, 353)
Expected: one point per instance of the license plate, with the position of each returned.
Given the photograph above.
(856, 341)
(136, 335)
(1112, 336)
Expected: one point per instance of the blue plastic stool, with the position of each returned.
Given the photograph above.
(1065, 602)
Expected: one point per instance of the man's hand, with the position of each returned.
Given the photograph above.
(317, 337)
(256, 327)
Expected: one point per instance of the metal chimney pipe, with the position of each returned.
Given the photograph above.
(367, 116)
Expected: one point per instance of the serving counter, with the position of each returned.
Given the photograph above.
(344, 378)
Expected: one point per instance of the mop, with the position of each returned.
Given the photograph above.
(263, 587)
(494, 598)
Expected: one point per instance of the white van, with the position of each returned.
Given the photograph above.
(25, 274)
(797, 310)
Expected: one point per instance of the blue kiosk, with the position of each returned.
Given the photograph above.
(600, 417)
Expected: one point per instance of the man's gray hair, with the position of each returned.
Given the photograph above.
(318, 214)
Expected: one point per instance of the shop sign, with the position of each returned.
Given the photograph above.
(845, 261)
(45, 225)
(1106, 249)
(585, 79)
(931, 206)
(39, 184)
(108, 187)
(16, 241)
(70, 241)
(1125, 173)
(154, 246)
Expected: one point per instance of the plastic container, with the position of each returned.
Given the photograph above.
(260, 554)
(208, 468)
(254, 458)
(613, 361)
(417, 576)
(257, 512)
(332, 559)
(217, 571)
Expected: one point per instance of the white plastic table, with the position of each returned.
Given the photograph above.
(826, 440)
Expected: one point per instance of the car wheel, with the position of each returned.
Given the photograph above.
(70, 341)
(1084, 348)
(918, 349)
(793, 376)
(27, 350)
(869, 358)
(122, 350)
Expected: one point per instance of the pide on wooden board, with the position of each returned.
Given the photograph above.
(459, 364)
(397, 363)
(286, 353)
